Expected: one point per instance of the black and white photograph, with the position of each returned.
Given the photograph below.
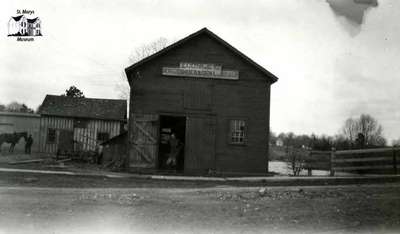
(199, 116)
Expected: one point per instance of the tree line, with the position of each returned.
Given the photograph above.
(16, 107)
(356, 133)
(23, 108)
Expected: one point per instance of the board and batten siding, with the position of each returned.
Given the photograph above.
(85, 137)
(209, 105)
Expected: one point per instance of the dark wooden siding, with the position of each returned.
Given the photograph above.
(199, 96)
(200, 145)
(247, 98)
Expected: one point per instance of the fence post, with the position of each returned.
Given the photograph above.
(394, 161)
(332, 158)
(309, 169)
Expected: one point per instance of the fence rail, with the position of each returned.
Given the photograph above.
(363, 151)
(382, 160)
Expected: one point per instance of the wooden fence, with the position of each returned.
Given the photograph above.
(318, 160)
(379, 160)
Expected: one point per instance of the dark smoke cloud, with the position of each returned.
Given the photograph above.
(352, 10)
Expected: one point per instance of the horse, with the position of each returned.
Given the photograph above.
(12, 138)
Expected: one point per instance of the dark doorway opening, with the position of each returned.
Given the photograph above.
(172, 143)
(65, 142)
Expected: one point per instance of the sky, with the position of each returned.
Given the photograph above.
(335, 59)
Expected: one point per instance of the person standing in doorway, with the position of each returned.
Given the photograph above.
(175, 148)
(28, 144)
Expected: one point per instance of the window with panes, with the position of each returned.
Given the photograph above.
(237, 131)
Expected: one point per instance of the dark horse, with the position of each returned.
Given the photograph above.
(12, 138)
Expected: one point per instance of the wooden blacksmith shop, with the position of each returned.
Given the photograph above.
(199, 106)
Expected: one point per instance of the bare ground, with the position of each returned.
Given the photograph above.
(41, 203)
(34, 204)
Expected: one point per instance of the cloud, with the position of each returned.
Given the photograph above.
(351, 13)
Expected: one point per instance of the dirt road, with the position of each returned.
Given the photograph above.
(207, 209)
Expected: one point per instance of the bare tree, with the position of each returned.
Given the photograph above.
(138, 54)
(295, 159)
(18, 107)
(350, 130)
(372, 131)
(14, 106)
(146, 50)
(364, 131)
(122, 87)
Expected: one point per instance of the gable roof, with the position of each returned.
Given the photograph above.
(191, 36)
(93, 108)
(17, 18)
(32, 20)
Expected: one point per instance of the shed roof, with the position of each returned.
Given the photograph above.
(116, 140)
(212, 35)
(93, 108)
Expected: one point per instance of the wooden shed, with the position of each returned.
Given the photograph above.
(11, 122)
(212, 97)
(115, 150)
(79, 124)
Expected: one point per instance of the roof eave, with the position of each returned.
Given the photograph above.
(272, 77)
(85, 117)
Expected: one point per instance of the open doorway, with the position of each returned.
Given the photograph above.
(172, 143)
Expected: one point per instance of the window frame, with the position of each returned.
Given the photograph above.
(53, 139)
(231, 131)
